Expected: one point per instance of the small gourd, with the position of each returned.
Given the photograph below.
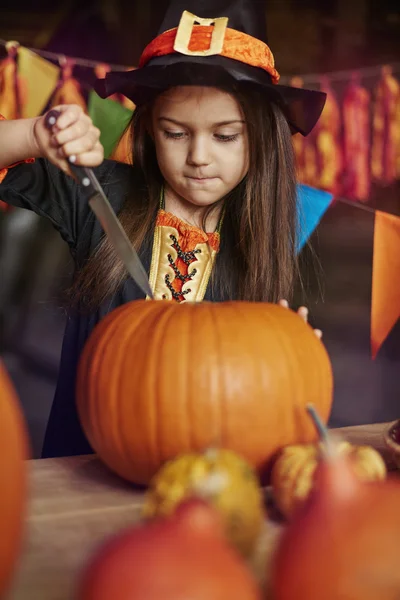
(293, 473)
(222, 478)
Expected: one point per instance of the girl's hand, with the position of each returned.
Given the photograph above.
(303, 312)
(74, 135)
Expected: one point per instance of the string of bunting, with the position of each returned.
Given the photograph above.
(355, 144)
(312, 78)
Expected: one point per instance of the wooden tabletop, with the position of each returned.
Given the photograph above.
(76, 502)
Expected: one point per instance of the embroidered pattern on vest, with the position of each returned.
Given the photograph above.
(182, 259)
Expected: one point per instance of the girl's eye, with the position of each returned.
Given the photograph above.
(174, 135)
(227, 138)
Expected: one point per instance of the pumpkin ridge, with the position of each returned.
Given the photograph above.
(112, 423)
(163, 323)
(188, 382)
(146, 329)
(317, 362)
(127, 425)
(242, 311)
(94, 363)
(129, 334)
(295, 377)
(318, 359)
(222, 425)
(271, 320)
(115, 389)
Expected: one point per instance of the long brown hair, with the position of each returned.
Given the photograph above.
(257, 259)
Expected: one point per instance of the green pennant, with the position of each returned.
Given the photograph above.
(110, 117)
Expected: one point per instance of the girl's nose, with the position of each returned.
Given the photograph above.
(199, 152)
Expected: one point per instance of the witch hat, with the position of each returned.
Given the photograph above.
(214, 43)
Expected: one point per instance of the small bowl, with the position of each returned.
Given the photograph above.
(392, 440)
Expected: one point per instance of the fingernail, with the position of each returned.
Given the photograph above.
(284, 303)
(318, 333)
(72, 158)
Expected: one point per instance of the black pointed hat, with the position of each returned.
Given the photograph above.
(214, 42)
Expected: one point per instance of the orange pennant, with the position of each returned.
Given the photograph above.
(356, 140)
(305, 151)
(12, 86)
(385, 151)
(329, 151)
(68, 90)
(385, 309)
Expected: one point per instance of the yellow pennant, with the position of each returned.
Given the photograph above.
(40, 77)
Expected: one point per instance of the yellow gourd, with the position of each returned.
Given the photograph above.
(220, 477)
(293, 471)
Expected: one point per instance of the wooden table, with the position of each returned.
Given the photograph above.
(75, 502)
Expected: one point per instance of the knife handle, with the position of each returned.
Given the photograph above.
(83, 175)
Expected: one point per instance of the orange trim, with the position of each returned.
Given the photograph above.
(4, 171)
(237, 45)
(189, 235)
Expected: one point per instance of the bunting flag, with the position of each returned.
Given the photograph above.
(112, 119)
(356, 141)
(385, 309)
(12, 88)
(329, 151)
(41, 77)
(385, 155)
(10, 92)
(339, 156)
(305, 150)
(312, 205)
(8, 96)
(122, 149)
(68, 90)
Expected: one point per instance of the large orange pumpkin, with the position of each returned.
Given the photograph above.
(13, 452)
(157, 379)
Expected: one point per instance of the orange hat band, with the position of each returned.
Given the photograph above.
(236, 45)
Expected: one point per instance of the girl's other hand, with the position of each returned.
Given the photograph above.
(73, 136)
(303, 313)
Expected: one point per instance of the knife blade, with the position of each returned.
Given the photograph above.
(109, 221)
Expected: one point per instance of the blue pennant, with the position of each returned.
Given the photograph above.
(312, 205)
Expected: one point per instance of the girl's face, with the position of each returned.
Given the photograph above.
(201, 143)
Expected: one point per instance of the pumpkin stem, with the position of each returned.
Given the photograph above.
(327, 443)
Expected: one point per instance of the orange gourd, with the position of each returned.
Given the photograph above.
(13, 451)
(182, 557)
(157, 379)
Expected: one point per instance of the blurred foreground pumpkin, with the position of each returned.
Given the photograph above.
(157, 379)
(13, 452)
(182, 557)
(293, 472)
(222, 478)
(344, 542)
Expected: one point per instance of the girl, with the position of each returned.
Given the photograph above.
(210, 201)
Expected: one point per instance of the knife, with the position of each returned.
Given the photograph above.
(103, 210)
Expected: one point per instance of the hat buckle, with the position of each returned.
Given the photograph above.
(185, 30)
